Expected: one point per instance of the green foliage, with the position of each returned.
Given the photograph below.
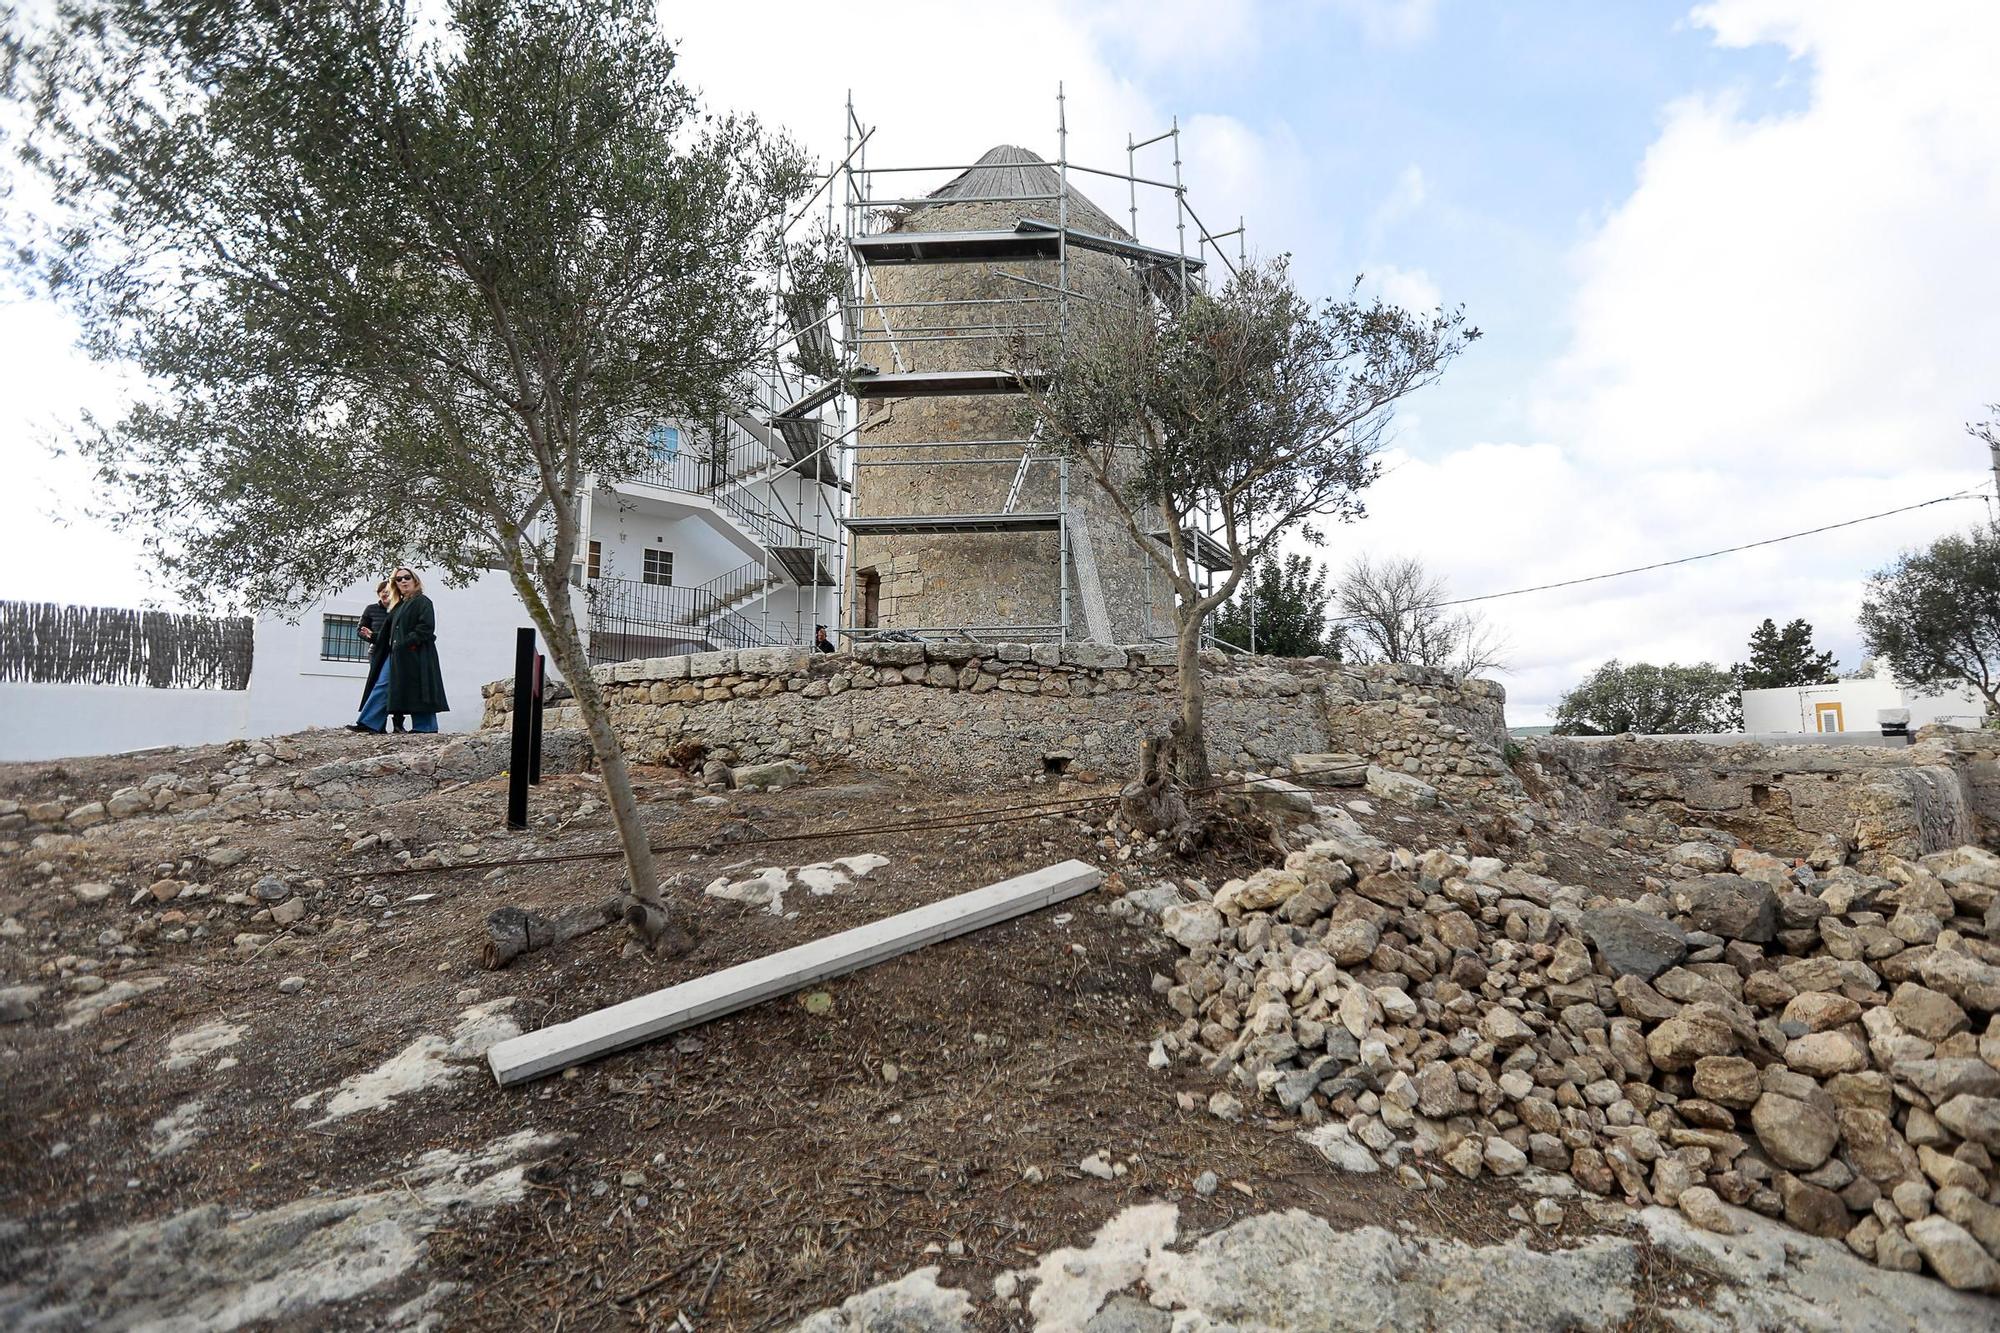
(1935, 615)
(1290, 600)
(1512, 753)
(1780, 659)
(395, 290)
(1648, 699)
(1243, 413)
(1249, 402)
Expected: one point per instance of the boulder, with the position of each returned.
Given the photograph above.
(1728, 1079)
(1728, 905)
(1819, 1010)
(1971, 875)
(1504, 1028)
(1352, 942)
(1192, 925)
(1698, 1030)
(1702, 1207)
(1632, 942)
(1331, 770)
(1976, 1119)
(1973, 1213)
(1824, 1054)
(1877, 1150)
(1813, 1210)
(1260, 893)
(17, 1003)
(1390, 785)
(1794, 1134)
(1940, 1080)
(1503, 1158)
(1702, 856)
(1438, 1093)
(1962, 977)
(1571, 963)
(1953, 1254)
(1930, 1014)
(767, 777)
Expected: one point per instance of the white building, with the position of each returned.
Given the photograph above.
(728, 537)
(1856, 705)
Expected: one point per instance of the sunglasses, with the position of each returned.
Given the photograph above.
(406, 578)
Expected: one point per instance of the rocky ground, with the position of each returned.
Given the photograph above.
(242, 1019)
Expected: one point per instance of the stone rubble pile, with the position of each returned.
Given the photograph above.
(1817, 1045)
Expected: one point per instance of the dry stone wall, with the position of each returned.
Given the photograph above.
(1013, 710)
(1792, 799)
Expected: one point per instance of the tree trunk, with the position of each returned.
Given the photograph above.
(513, 931)
(1193, 756)
(646, 913)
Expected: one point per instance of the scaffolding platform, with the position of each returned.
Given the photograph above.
(802, 408)
(944, 383)
(805, 566)
(1110, 245)
(1202, 549)
(874, 525)
(956, 247)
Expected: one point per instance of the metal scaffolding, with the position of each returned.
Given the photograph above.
(879, 237)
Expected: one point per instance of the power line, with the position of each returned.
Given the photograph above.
(1686, 559)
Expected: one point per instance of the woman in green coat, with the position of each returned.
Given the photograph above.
(417, 685)
(411, 680)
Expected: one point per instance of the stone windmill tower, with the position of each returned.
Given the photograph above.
(959, 525)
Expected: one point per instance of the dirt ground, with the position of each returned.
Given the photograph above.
(742, 1175)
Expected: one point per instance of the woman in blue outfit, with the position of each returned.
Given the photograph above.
(411, 681)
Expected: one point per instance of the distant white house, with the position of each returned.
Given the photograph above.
(1856, 705)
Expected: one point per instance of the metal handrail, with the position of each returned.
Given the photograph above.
(626, 608)
(716, 472)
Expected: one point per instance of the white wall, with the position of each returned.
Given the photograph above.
(292, 687)
(1792, 710)
(625, 525)
(42, 721)
(628, 521)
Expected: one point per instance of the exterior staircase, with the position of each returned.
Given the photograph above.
(754, 444)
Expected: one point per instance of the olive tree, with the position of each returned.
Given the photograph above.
(397, 287)
(1699, 698)
(1935, 615)
(1233, 417)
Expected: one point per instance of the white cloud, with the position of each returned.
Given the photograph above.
(1390, 22)
(941, 91)
(1785, 324)
(1402, 201)
(1412, 289)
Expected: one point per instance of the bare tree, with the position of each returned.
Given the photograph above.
(1395, 611)
(1248, 410)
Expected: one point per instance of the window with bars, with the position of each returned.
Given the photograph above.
(659, 567)
(595, 568)
(339, 640)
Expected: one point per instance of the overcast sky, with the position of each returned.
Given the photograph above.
(1735, 263)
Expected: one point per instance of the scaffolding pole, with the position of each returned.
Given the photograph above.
(937, 321)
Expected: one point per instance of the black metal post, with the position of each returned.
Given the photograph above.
(522, 757)
(535, 746)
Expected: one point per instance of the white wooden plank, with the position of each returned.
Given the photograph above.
(647, 1017)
